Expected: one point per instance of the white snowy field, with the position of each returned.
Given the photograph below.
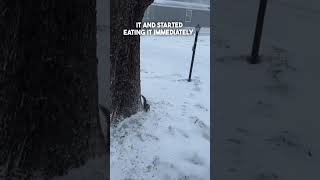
(172, 140)
(267, 115)
(194, 4)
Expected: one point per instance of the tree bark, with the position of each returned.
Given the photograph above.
(48, 88)
(125, 56)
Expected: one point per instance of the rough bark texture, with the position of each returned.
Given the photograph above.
(125, 56)
(48, 87)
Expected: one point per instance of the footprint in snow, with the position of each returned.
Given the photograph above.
(196, 84)
(206, 136)
(183, 133)
(191, 95)
(156, 161)
(268, 176)
(200, 106)
(143, 71)
(235, 141)
(196, 88)
(182, 80)
(196, 81)
(140, 137)
(284, 138)
(288, 139)
(242, 131)
(154, 164)
(189, 177)
(195, 159)
(205, 130)
(149, 136)
(200, 123)
(152, 137)
(184, 109)
(173, 130)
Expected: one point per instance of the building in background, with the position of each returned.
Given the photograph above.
(189, 13)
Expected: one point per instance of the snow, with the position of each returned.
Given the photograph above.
(197, 5)
(172, 140)
(266, 115)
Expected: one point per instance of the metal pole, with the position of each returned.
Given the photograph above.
(194, 50)
(258, 32)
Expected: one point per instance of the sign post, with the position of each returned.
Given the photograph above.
(254, 59)
(194, 50)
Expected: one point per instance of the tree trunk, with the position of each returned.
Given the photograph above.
(125, 56)
(48, 97)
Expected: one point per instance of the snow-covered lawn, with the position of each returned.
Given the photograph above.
(267, 115)
(172, 140)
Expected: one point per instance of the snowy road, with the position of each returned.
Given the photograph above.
(172, 141)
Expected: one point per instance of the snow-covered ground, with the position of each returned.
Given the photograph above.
(200, 5)
(172, 140)
(266, 123)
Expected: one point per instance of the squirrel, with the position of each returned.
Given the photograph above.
(105, 124)
(105, 111)
(145, 105)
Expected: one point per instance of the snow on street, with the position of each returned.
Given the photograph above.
(172, 140)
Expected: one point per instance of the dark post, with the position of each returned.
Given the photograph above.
(194, 50)
(257, 36)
